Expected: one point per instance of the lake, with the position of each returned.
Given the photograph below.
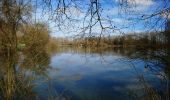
(72, 73)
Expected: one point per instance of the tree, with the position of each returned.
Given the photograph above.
(93, 13)
(36, 37)
(12, 14)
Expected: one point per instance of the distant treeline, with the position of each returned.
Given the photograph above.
(152, 39)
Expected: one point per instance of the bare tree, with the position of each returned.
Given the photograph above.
(13, 13)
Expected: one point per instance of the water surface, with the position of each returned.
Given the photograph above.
(89, 74)
(71, 73)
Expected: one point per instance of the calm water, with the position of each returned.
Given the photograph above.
(109, 74)
(93, 74)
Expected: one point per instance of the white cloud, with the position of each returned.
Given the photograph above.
(137, 5)
(141, 2)
(137, 2)
(141, 5)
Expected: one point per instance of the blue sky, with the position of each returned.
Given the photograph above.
(125, 19)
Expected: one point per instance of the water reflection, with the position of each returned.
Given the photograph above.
(120, 72)
(85, 74)
(16, 74)
(13, 83)
(37, 62)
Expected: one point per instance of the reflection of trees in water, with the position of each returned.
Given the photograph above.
(37, 62)
(157, 56)
(156, 62)
(15, 83)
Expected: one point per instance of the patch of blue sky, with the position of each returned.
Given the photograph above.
(127, 22)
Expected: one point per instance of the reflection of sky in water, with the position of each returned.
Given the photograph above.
(95, 77)
(69, 64)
